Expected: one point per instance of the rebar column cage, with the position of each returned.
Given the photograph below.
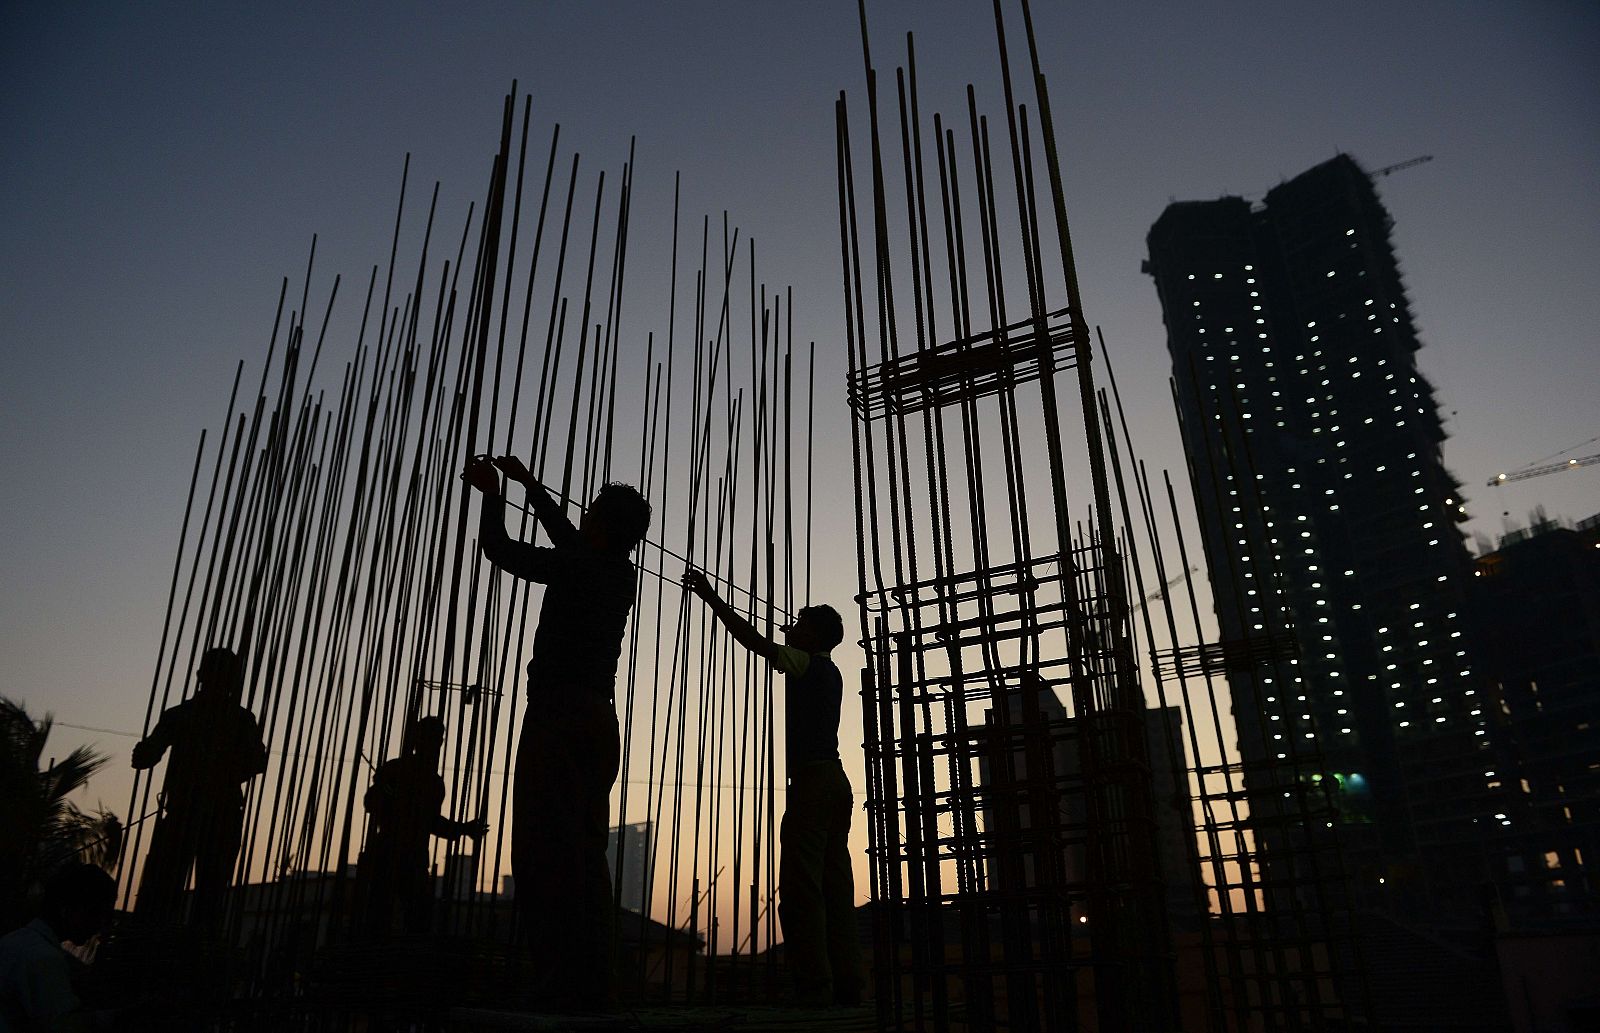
(1001, 822)
(1042, 854)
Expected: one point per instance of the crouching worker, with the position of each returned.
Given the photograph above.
(816, 892)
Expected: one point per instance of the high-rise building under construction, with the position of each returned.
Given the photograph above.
(1330, 526)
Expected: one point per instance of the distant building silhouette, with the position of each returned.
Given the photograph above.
(1538, 598)
(1010, 785)
(1329, 520)
(635, 844)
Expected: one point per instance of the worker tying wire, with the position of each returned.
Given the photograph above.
(403, 804)
(816, 891)
(570, 747)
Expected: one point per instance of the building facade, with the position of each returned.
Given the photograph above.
(1537, 599)
(1331, 532)
(633, 840)
(1041, 728)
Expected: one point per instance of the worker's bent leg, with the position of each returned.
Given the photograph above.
(801, 904)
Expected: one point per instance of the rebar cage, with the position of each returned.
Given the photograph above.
(1059, 840)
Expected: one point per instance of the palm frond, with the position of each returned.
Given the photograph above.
(73, 835)
(40, 828)
(21, 737)
(73, 773)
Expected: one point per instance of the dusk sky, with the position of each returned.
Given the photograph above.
(163, 166)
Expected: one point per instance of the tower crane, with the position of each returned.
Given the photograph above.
(1541, 468)
(1162, 591)
(1400, 165)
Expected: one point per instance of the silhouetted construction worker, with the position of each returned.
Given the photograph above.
(36, 974)
(570, 749)
(403, 805)
(816, 887)
(216, 748)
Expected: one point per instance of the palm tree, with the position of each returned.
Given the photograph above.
(40, 829)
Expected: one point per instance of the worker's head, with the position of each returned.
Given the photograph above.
(78, 901)
(427, 736)
(816, 629)
(221, 674)
(617, 519)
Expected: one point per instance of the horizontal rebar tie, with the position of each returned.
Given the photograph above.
(1237, 655)
(964, 369)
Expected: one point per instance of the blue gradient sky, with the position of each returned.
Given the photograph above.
(163, 165)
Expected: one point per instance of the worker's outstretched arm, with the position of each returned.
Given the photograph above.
(516, 558)
(444, 828)
(147, 751)
(545, 507)
(743, 631)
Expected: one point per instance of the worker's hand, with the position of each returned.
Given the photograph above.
(145, 755)
(697, 582)
(512, 467)
(477, 829)
(480, 474)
